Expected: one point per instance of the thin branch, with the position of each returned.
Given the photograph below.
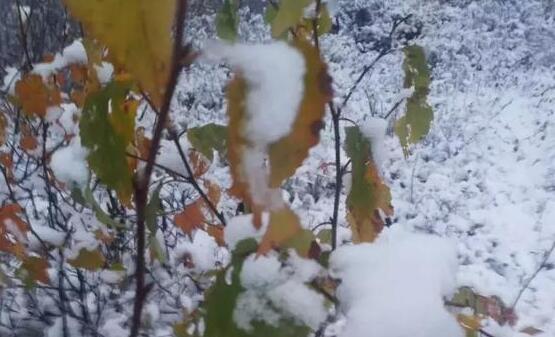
(143, 180)
(207, 201)
(542, 265)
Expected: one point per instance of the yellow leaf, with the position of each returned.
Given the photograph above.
(287, 154)
(137, 34)
(88, 259)
(472, 323)
(284, 225)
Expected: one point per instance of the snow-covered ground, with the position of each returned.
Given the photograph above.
(485, 175)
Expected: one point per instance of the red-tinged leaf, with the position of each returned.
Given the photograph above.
(190, 218)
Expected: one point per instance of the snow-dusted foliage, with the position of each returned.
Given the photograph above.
(472, 201)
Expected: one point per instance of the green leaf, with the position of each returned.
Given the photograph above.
(100, 214)
(152, 210)
(290, 12)
(227, 20)
(107, 147)
(221, 299)
(208, 138)
(412, 127)
(325, 236)
(368, 193)
(88, 259)
(324, 20)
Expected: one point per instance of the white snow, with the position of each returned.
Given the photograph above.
(48, 235)
(75, 53)
(395, 286)
(69, 163)
(374, 129)
(241, 227)
(276, 290)
(274, 74)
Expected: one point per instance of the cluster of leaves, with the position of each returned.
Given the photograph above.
(138, 42)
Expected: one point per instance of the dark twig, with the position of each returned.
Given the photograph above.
(193, 181)
(142, 181)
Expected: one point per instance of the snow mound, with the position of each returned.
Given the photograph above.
(401, 277)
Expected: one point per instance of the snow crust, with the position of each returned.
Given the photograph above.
(395, 286)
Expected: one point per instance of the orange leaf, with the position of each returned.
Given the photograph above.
(35, 97)
(217, 233)
(284, 225)
(191, 218)
(214, 192)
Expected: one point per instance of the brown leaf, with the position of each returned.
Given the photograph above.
(37, 267)
(3, 126)
(34, 96)
(6, 162)
(190, 218)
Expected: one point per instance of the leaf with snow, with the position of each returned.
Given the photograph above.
(138, 35)
(369, 198)
(221, 302)
(289, 152)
